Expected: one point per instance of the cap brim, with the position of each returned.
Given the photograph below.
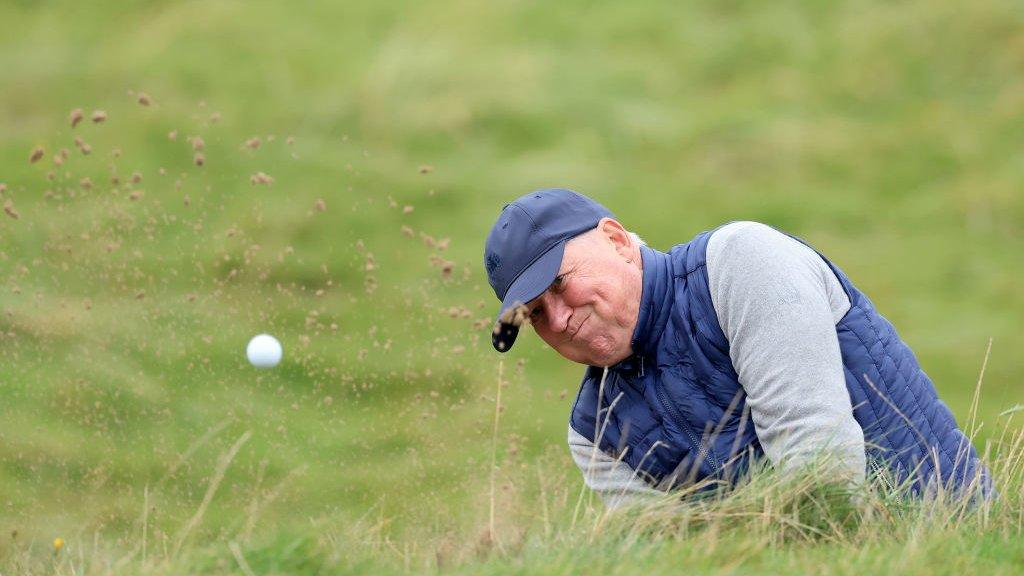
(530, 284)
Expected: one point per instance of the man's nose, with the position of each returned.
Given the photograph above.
(558, 312)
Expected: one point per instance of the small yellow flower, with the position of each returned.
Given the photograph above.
(58, 543)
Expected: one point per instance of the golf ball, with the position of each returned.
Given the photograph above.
(263, 351)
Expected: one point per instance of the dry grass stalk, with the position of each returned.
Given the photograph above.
(491, 536)
(218, 476)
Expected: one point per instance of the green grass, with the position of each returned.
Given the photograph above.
(888, 135)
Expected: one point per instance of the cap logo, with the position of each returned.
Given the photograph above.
(492, 263)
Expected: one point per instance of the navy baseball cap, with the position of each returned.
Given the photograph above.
(525, 247)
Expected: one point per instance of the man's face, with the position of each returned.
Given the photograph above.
(589, 312)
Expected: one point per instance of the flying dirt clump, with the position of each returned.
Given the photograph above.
(76, 116)
(84, 148)
(446, 266)
(144, 99)
(37, 153)
(261, 178)
(9, 209)
(99, 116)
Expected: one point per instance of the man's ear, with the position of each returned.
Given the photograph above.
(617, 235)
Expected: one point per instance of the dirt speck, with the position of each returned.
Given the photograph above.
(37, 153)
(9, 209)
(99, 116)
(76, 116)
(82, 146)
(199, 159)
(253, 143)
(144, 99)
(320, 205)
(426, 169)
(261, 178)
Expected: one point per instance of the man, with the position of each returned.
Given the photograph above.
(743, 342)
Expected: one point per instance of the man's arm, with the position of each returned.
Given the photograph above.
(612, 479)
(777, 303)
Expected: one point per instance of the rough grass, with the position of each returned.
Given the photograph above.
(769, 523)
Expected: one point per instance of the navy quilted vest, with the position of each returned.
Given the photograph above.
(676, 413)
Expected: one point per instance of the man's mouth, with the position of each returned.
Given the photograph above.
(580, 327)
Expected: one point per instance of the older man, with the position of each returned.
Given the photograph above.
(740, 343)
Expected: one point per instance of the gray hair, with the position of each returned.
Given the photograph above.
(636, 238)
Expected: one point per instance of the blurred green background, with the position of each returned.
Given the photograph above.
(886, 134)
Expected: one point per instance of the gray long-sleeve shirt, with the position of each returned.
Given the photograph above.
(777, 304)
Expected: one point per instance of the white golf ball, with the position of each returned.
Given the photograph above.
(263, 351)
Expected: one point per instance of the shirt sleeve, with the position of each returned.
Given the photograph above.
(613, 480)
(777, 303)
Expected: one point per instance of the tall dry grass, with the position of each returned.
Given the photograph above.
(534, 518)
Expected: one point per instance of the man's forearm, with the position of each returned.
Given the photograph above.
(612, 479)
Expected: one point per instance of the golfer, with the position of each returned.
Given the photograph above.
(741, 343)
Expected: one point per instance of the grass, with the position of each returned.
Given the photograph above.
(887, 135)
(769, 523)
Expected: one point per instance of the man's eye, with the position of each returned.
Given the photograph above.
(559, 282)
(535, 313)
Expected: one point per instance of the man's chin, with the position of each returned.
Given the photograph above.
(600, 360)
